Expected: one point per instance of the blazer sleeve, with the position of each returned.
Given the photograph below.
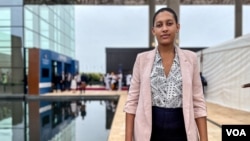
(198, 96)
(134, 90)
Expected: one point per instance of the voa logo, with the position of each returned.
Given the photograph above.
(236, 132)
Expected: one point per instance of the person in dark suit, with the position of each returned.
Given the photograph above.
(84, 82)
(62, 81)
(56, 82)
(203, 82)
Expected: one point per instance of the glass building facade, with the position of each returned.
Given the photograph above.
(24, 26)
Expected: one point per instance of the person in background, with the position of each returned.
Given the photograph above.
(107, 80)
(113, 81)
(68, 80)
(203, 82)
(78, 81)
(165, 101)
(73, 85)
(62, 81)
(84, 82)
(56, 82)
(128, 80)
(119, 77)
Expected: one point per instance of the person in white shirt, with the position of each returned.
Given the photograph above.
(73, 85)
(119, 80)
(113, 80)
(107, 81)
(128, 79)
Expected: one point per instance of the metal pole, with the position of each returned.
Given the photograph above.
(24, 76)
(238, 18)
(151, 4)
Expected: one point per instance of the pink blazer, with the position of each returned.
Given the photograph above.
(139, 100)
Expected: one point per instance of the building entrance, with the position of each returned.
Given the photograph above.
(47, 70)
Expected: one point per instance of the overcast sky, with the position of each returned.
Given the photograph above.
(98, 27)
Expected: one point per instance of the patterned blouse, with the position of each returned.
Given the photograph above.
(166, 91)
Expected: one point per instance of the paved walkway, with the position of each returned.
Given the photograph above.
(217, 115)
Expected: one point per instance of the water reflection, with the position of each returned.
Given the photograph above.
(75, 120)
(11, 121)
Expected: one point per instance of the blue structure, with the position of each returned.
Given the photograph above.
(47, 64)
(53, 64)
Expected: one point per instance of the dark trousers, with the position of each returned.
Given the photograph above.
(168, 124)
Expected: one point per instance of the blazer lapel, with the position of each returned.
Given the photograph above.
(147, 101)
(186, 81)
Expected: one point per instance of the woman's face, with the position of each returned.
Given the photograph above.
(165, 28)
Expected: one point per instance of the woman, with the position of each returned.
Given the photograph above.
(73, 85)
(165, 100)
(113, 81)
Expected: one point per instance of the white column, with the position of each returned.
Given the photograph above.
(151, 4)
(175, 5)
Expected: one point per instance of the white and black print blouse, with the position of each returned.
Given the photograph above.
(166, 90)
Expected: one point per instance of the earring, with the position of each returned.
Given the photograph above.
(177, 41)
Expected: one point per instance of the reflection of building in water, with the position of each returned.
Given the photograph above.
(110, 112)
(13, 111)
(48, 122)
(5, 110)
(55, 121)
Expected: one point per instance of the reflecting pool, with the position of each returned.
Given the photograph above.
(52, 120)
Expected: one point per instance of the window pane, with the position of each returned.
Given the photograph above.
(44, 28)
(13, 80)
(11, 37)
(44, 13)
(11, 16)
(5, 18)
(5, 58)
(44, 43)
(16, 16)
(28, 19)
(5, 37)
(11, 2)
